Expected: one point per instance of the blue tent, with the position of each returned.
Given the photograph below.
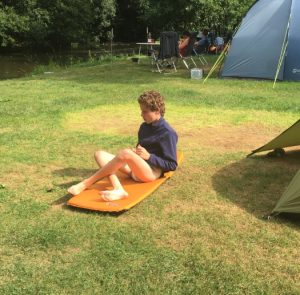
(267, 43)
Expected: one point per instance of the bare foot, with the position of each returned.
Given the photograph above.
(76, 189)
(114, 195)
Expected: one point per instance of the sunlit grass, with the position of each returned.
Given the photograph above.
(200, 233)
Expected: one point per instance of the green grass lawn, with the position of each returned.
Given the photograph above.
(200, 233)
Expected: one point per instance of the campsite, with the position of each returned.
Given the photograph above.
(202, 230)
(226, 222)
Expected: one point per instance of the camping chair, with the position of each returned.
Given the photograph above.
(219, 43)
(188, 59)
(168, 52)
(199, 50)
(201, 57)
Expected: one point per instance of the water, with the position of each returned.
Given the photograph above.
(19, 64)
(15, 65)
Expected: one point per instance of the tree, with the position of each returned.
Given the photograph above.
(67, 21)
(130, 22)
(12, 27)
(54, 23)
(221, 16)
(133, 16)
(103, 16)
(57, 23)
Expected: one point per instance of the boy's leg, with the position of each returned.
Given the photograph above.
(137, 165)
(134, 163)
(103, 157)
(118, 192)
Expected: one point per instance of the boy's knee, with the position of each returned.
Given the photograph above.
(125, 154)
(99, 154)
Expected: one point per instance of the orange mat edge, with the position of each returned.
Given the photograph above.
(115, 208)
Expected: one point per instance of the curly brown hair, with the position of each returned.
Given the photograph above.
(153, 100)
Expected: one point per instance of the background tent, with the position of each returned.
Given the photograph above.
(289, 137)
(269, 32)
(290, 200)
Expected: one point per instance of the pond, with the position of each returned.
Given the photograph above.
(20, 64)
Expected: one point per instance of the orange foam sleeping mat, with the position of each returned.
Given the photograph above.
(91, 199)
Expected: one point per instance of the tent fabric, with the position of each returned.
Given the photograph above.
(289, 137)
(292, 60)
(290, 200)
(256, 47)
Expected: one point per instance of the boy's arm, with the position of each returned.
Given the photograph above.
(169, 160)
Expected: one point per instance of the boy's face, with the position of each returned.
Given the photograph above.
(148, 115)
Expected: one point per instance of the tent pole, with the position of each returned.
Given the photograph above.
(282, 53)
(280, 63)
(220, 58)
(222, 55)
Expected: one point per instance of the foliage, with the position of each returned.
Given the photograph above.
(57, 23)
(220, 16)
(69, 20)
(131, 21)
(12, 26)
(104, 13)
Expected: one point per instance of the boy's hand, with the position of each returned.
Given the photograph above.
(142, 152)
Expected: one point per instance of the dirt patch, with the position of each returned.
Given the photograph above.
(206, 133)
(123, 121)
(106, 125)
(245, 137)
(6, 130)
(30, 180)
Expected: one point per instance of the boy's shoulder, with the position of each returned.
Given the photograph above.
(168, 127)
(161, 126)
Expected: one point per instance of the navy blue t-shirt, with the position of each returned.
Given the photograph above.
(160, 140)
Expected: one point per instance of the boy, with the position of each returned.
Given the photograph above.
(154, 154)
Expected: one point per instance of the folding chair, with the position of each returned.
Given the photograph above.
(201, 57)
(168, 52)
(200, 50)
(188, 59)
(219, 43)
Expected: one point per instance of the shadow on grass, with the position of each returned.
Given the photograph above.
(62, 202)
(80, 173)
(121, 72)
(257, 183)
(87, 211)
